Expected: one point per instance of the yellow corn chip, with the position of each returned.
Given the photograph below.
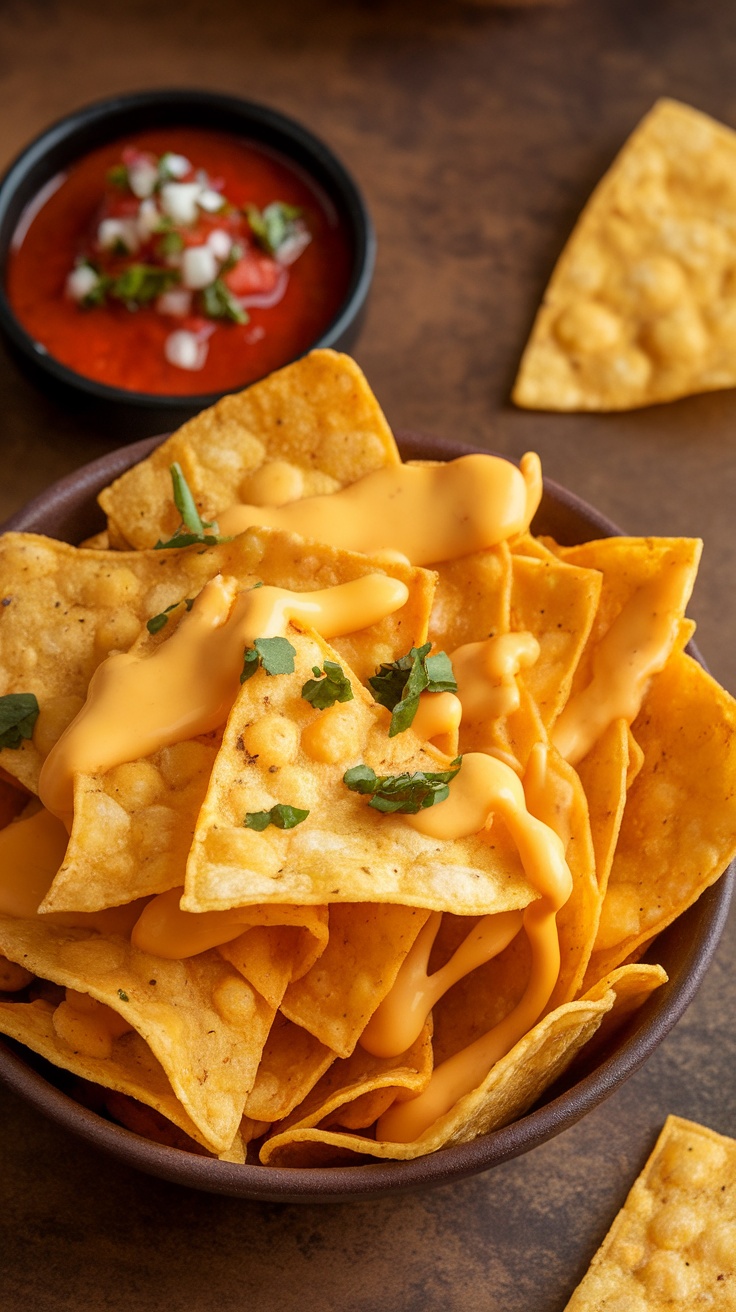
(292, 1063)
(673, 1244)
(307, 429)
(678, 831)
(640, 306)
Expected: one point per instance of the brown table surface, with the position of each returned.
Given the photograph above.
(476, 134)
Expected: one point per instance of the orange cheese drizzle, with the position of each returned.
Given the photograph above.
(427, 512)
(635, 647)
(483, 787)
(137, 704)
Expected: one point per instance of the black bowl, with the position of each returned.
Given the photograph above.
(68, 510)
(127, 414)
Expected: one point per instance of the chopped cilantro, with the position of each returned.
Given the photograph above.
(397, 685)
(276, 655)
(170, 243)
(218, 302)
(274, 225)
(192, 527)
(123, 995)
(329, 685)
(140, 284)
(407, 793)
(157, 622)
(18, 715)
(280, 815)
(117, 176)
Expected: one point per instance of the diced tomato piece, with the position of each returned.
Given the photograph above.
(253, 275)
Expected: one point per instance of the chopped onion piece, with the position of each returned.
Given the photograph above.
(198, 267)
(210, 200)
(291, 249)
(220, 243)
(179, 201)
(148, 218)
(176, 166)
(185, 350)
(177, 302)
(80, 282)
(114, 232)
(142, 177)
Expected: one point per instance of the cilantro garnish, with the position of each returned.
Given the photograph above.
(397, 684)
(123, 995)
(192, 527)
(274, 225)
(218, 302)
(407, 793)
(18, 715)
(117, 176)
(329, 685)
(169, 243)
(280, 815)
(276, 655)
(157, 622)
(140, 284)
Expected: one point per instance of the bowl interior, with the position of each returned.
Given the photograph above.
(94, 125)
(68, 510)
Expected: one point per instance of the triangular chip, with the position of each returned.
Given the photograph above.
(639, 308)
(305, 430)
(279, 751)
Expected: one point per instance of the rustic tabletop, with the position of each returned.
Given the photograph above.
(476, 132)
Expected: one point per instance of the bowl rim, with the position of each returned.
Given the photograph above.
(693, 938)
(294, 137)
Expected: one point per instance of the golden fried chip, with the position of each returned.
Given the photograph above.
(472, 599)
(337, 997)
(131, 1067)
(512, 1086)
(678, 831)
(308, 429)
(674, 1241)
(604, 773)
(292, 1063)
(201, 1020)
(279, 751)
(351, 1094)
(639, 308)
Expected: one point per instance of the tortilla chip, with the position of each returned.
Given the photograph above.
(605, 773)
(678, 831)
(472, 599)
(200, 1018)
(640, 308)
(674, 1240)
(293, 1061)
(317, 416)
(344, 851)
(632, 984)
(131, 1069)
(512, 1086)
(337, 997)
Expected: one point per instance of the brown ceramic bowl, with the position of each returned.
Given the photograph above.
(68, 510)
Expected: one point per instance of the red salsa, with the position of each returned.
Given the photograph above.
(180, 261)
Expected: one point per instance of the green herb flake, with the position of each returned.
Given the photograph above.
(192, 527)
(397, 685)
(280, 815)
(274, 225)
(158, 622)
(18, 715)
(218, 302)
(170, 243)
(117, 176)
(123, 995)
(328, 686)
(140, 284)
(276, 655)
(405, 793)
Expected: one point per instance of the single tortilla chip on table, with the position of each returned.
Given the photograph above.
(674, 1241)
(640, 306)
(343, 850)
(202, 1021)
(678, 831)
(305, 430)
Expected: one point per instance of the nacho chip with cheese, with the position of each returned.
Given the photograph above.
(306, 429)
(639, 308)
